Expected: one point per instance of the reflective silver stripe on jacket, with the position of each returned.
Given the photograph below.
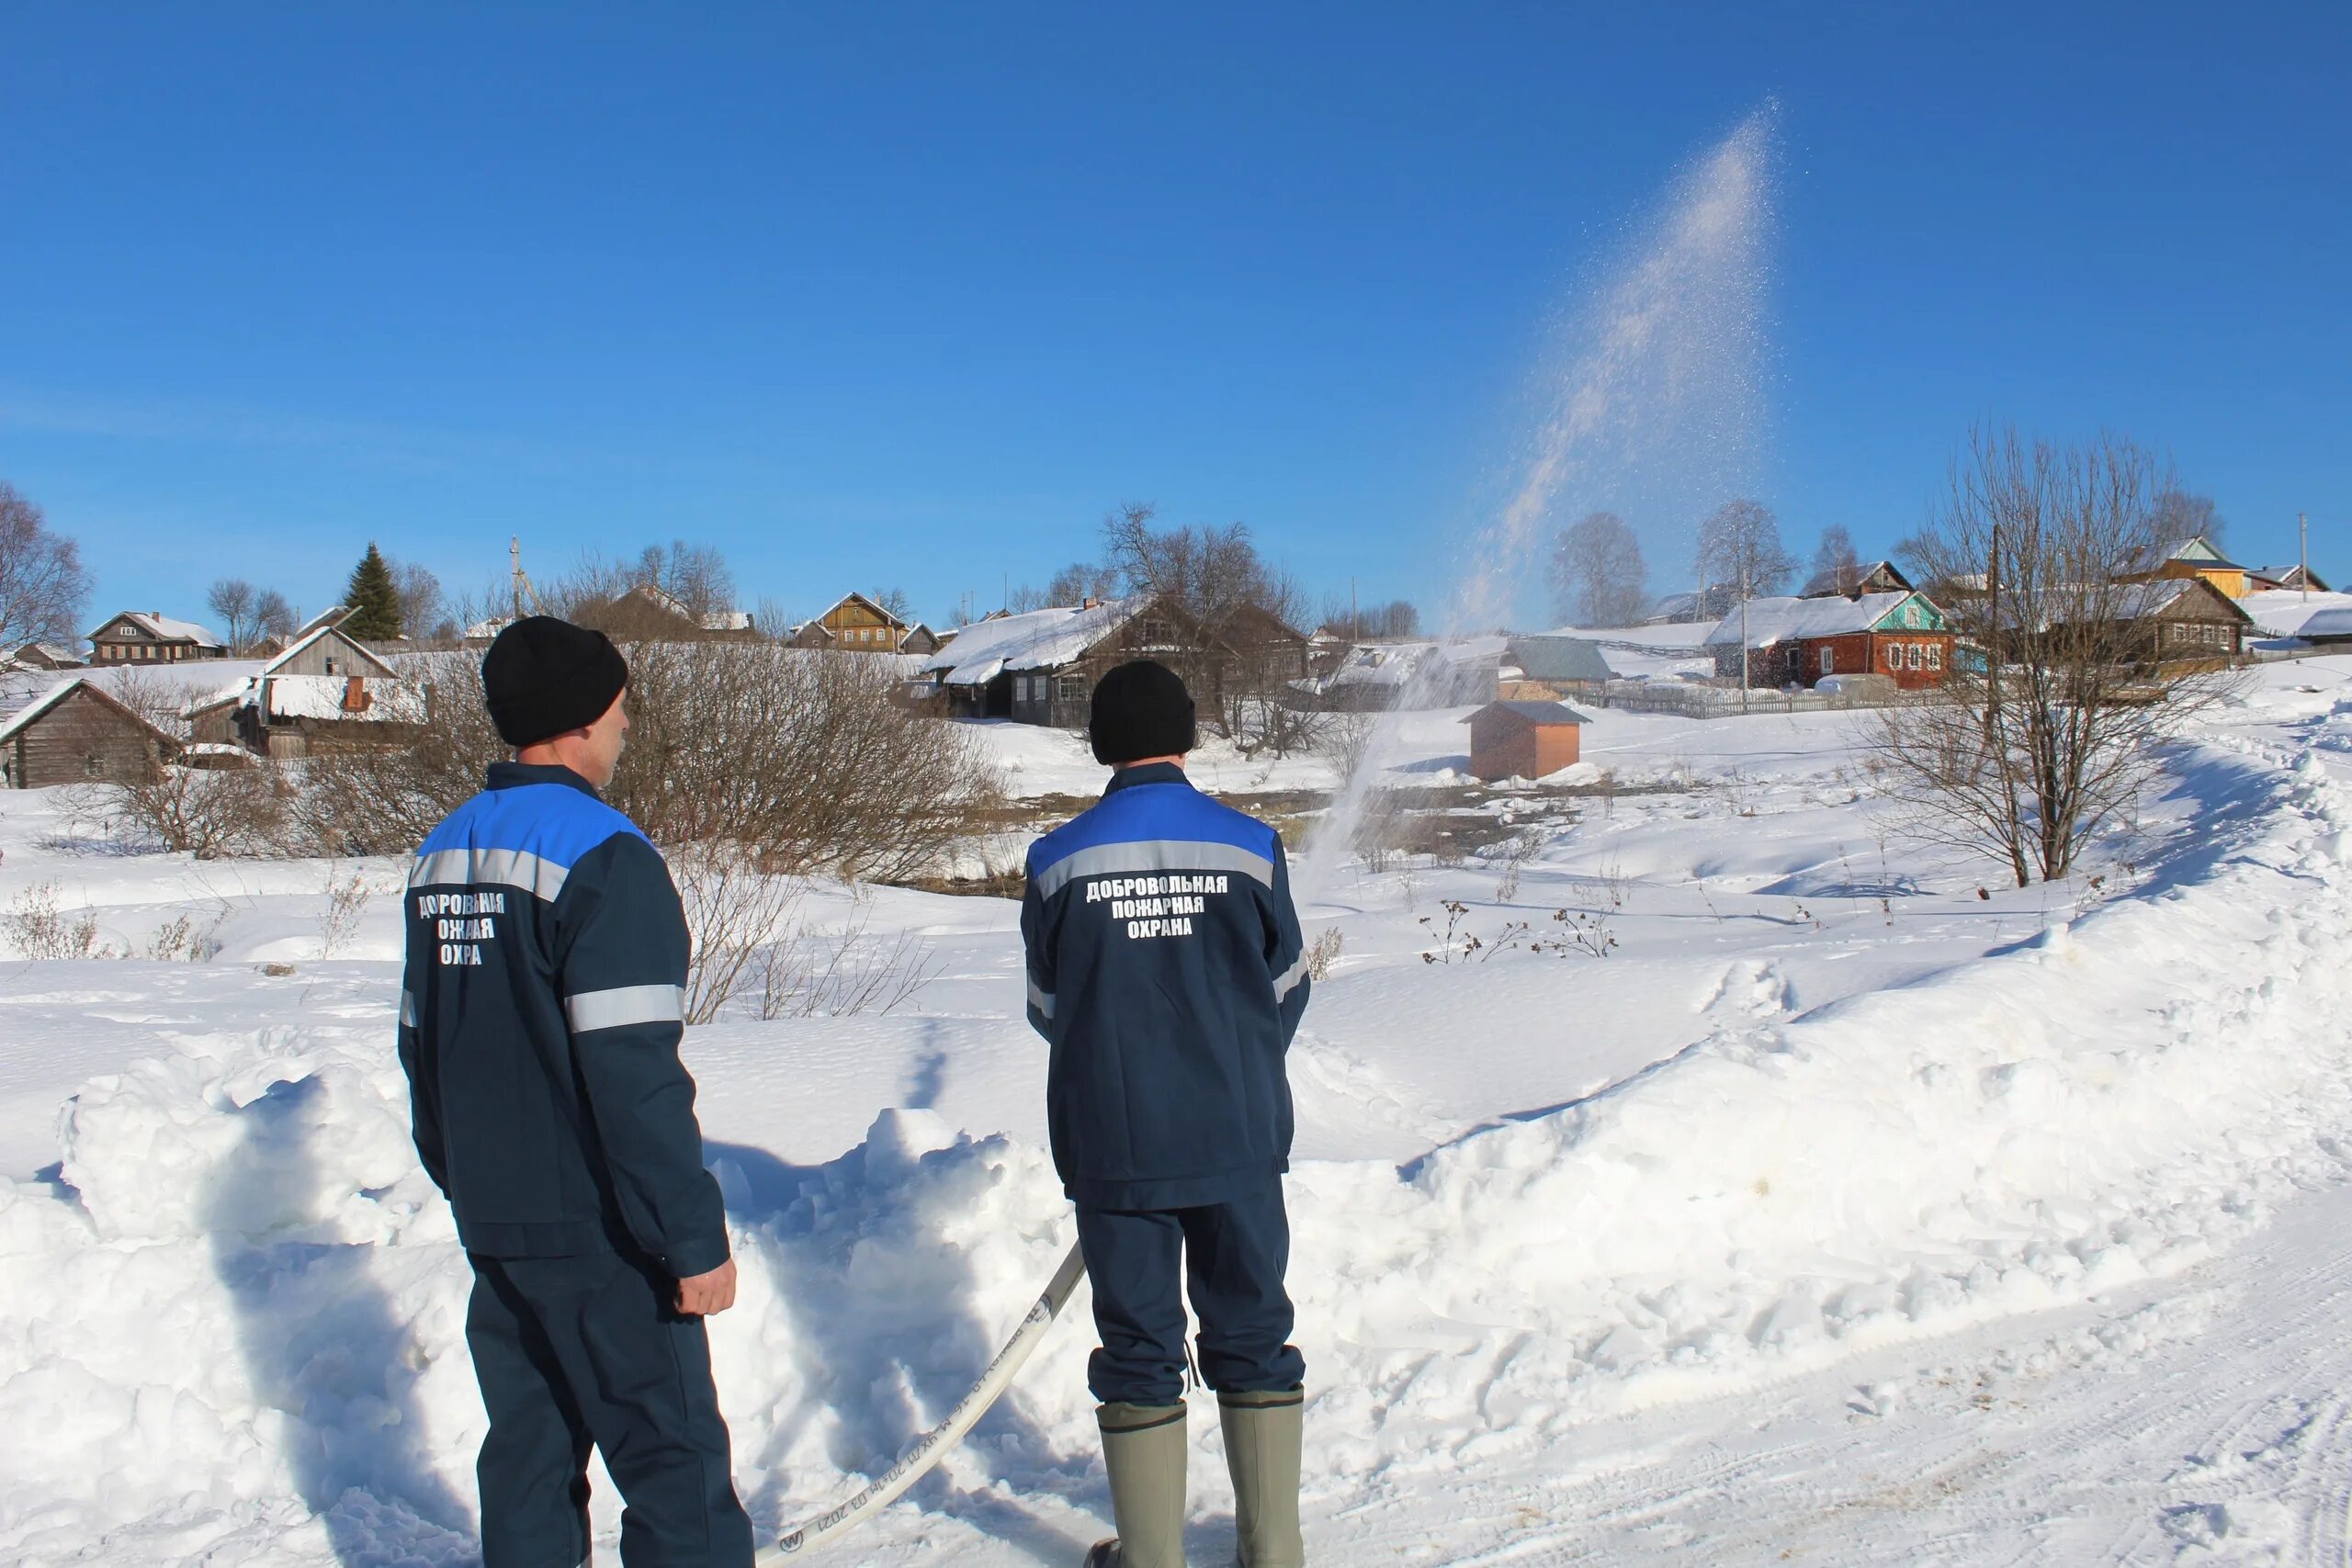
(1144, 856)
(1287, 981)
(625, 1005)
(508, 868)
(1042, 1000)
(408, 1010)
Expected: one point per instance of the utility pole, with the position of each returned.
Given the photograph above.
(2304, 551)
(515, 563)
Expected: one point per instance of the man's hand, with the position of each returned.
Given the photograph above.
(708, 1294)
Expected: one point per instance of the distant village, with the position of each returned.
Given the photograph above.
(1856, 633)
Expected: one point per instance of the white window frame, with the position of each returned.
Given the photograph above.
(1828, 659)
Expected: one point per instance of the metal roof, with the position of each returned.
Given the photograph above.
(1535, 712)
(1560, 659)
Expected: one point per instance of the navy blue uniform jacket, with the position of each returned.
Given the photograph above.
(540, 1017)
(1166, 969)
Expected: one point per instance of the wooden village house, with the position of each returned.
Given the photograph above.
(859, 625)
(1795, 642)
(1853, 581)
(2182, 620)
(80, 733)
(1523, 739)
(41, 656)
(1040, 667)
(1538, 668)
(326, 693)
(2199, 559)
(151, 637)
(646, 613)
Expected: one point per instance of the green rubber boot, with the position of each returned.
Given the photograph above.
(1143, 1447)
(1262, 1446)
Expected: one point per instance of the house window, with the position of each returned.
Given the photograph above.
(1828, 660)
(1934, 656)
(1912, 657)
(91, 766)
(1070, 689)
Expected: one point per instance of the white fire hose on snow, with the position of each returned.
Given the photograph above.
(932, 1446)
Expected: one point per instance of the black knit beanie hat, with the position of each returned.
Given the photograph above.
(1141, 709)
(544, 677)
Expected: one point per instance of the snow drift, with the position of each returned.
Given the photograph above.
(234, 1325)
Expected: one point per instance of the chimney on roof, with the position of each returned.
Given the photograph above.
(1089, 602)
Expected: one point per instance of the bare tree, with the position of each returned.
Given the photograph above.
(696, 576)
(1597, 572)
(897, 601)
(1082, 581)
(1027, 597)
(42, 583)
(2181, 517)
(423, 610)
(233, 600)
(1227, 621)
(2054, 728)
(1740, 545)
(1835, 558)
(273, 616)
(206, 814)
(1396, 619)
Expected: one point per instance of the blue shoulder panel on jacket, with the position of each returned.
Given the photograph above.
(554, 822)
(1156, 813)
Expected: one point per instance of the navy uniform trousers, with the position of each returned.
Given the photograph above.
(1235, 1253)
(574, 1352)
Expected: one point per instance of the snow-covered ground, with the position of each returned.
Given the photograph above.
(1852, 1210)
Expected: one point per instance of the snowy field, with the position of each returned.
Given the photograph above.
(1853, 1209)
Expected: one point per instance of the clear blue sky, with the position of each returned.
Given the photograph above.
(887, 295)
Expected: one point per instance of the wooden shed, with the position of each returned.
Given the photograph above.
(1522, 739)
(79, 734)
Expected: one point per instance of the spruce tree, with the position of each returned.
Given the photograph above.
(374, 599)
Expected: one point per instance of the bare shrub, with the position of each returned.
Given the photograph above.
(346, 901)
(734, 912)
(1323, 953)
(803, 760)
(37, 928)
(843, 971)
(182, 939)
(210, 815)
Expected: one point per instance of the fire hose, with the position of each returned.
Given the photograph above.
(931, 1446)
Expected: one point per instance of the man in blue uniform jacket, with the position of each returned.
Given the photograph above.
(1166, 969)
(540, 1017)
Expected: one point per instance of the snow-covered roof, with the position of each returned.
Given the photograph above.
(2332, 622)
(40, 705)
(2138, 601)
(489, 628)
(1039, 639)
(1791, 620)
(163, 628)
(1552, 657)
(2285, 612)
(321, 697)
(1384, 664)
(1533, 712)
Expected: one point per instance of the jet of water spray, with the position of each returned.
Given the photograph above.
(1657, 385)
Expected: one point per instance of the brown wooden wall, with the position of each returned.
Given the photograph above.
(1502, 747)
(81, 740)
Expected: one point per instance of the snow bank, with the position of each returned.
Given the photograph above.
(239, 1332)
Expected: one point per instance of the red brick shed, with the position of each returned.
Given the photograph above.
(1522, 739)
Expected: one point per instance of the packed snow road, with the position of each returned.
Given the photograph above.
(1843, 1215)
